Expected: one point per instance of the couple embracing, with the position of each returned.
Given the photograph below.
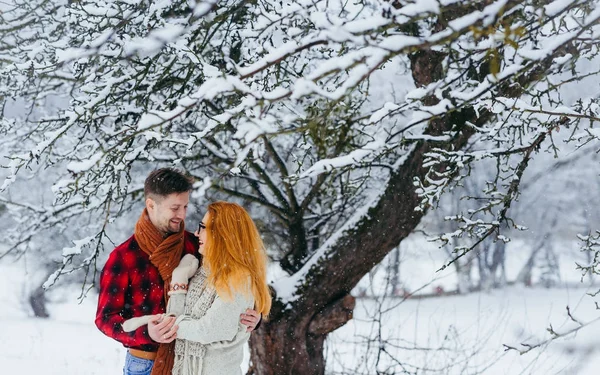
(184, 303)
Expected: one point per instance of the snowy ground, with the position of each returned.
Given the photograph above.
(469, 330)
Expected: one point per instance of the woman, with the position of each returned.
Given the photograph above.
(232, 278)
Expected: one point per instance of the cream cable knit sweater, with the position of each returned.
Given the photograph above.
(210, 337)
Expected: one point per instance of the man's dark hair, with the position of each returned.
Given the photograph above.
(165, 181)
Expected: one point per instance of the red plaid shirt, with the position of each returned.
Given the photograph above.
(131, 286)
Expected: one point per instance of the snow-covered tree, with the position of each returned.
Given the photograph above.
(340, 124)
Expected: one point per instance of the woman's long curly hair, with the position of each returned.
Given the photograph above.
(234, 253)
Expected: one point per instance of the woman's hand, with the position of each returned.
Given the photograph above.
(164, 331)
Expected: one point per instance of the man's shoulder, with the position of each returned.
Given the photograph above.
(122, 257)
(129, 249)
(128, 245)
(189, 237)
(190, 245)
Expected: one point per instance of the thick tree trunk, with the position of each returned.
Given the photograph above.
(292, 343)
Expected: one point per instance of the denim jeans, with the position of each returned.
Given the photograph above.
(137, 366)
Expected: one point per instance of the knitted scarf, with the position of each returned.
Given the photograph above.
(165, 254)
(189, 355)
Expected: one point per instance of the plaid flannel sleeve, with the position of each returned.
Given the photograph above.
(112, 301)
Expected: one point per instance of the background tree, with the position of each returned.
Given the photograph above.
(339, 124)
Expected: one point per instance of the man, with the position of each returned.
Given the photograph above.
(133, 280)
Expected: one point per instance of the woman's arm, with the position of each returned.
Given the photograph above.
(176, 304)
(220, 323)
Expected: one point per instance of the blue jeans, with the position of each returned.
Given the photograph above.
(137, 366)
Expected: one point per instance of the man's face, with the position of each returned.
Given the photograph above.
(167, 213)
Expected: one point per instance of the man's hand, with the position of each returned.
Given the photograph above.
(163, 331)
(250, 319)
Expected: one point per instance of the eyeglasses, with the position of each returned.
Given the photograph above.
(201, 226)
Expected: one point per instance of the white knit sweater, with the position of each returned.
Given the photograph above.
(210, 337)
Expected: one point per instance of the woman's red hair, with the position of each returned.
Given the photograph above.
(234, 253)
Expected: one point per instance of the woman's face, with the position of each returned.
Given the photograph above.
(201, 233)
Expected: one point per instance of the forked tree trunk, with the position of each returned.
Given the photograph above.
(292, 342)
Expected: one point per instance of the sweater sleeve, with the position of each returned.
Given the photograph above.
(220, 323)
(176, 304)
